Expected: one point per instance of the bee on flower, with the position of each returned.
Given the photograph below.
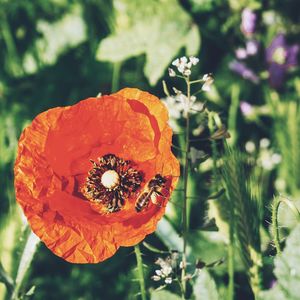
(80, 169)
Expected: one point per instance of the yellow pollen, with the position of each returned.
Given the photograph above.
(110, 179)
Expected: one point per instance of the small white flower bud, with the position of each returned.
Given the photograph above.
(168, 280)
(250, 147)
(264, 143)
(172, 73)
(194, 60)
(187, 72)
(176, 62)
(208, 81)
(155, 278)
(183, 60)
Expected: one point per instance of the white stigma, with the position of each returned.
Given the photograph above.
(110, 179)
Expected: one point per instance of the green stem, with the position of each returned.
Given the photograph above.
(25, 262)
(212, 118)
(196, 81)
(6, 279)
(140, 271)
(275, 228)
(230, 251)
(275, 225)
(116, 76)
(233, 110)
(12, 53)
(185, 176)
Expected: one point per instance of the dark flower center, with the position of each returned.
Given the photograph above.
(111, 181)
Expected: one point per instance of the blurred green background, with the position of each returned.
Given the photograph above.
(57, 52)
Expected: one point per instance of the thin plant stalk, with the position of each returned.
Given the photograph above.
(185, 197)
(14, 59)
(116, 76)
(140, 271)
(230, 247)
(25, 262)
(275, 225)
(6, 279)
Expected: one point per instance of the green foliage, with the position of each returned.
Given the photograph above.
(245, 203)
(158, 29)
(55, 53)
(163, 294)
(286, 117)
(56, 39)
(205, 287)
(287, 270)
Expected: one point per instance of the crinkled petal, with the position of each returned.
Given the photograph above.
(54, 159)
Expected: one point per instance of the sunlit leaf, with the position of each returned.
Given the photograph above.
(287, 270)
(56, 38)
(159, 30)
(162, 295)
(205, 287)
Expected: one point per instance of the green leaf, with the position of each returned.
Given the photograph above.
(158, 29)
(205, 287)
(57, 38)
(287, 271)
(168, 235)
(163, 295)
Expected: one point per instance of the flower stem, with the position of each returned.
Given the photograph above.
(185, 178)
(212, 119)
(6, 279)
(275, 228)
(116, 76)
(25, 262)
(140, 271)
(275, 225)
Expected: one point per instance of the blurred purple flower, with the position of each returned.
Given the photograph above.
(252, 47)
(248, 22)
(241, 53)
(280, 58)
(246, 108)
(241, 69)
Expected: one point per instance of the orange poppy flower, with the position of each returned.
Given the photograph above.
(96, 175)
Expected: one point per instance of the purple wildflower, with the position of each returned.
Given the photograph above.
(280, 58)
(241, 53)
(246, 108)
(241, 69)
(248, 22)
(252, 47)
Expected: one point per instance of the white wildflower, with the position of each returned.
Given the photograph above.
(184, 66)
(168, 280)
(208, 81)
(264, 143)
(172, 73)
(183, 60)
(181, 265)
(158, 272)
(156, 278)
(276, 158)
(187, 72)
(250, 147)
(194, 60)
(166, 269)
(280, 185)
(265, 161)
(176, 62)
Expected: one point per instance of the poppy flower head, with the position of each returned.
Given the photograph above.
(81, 169)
